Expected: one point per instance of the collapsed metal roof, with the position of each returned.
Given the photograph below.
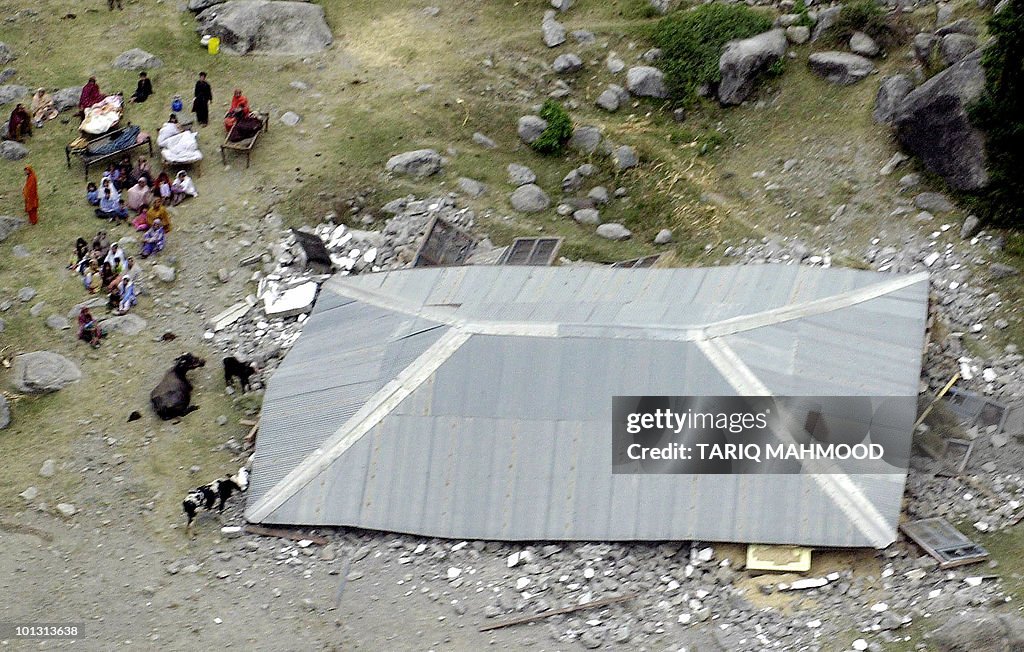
(475, 402)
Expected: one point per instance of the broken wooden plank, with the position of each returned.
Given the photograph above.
(945, 543)
(935, 400)
(603, 602)
(280, 533)
(250, 439)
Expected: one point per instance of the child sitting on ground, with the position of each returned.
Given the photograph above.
(92, 194)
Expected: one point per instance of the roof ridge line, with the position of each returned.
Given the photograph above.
(813, 307)
(373, 411)
(837, 486)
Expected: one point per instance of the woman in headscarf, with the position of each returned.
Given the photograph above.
(88, 330)
(81, 256)
(125, 293)
(43, 108)
(182, 187)
(90, 95)
(92, 279)
(31, 194)
(143, 171)
(162, 187)
(158, 212)
(239, 109)
(106, 183)
(138, 195)
(20, 124)
(153, 241)
(116, 258)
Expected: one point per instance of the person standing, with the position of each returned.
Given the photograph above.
(31, 194)
(203, 97)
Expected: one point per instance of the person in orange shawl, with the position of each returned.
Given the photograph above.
(159, 212)
(239, 109)
(31, 195)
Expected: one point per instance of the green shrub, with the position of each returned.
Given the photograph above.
(800, 9)
(558, 131)
(998, 113)
(868, 17)
(692, 43)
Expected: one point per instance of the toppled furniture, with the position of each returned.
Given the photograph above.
(532, 251)
(444, 245)
(110, 146)
(245, 145)
(944, 542)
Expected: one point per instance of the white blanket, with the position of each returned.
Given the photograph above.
(182, 148)
(103, 115)
(168, 131)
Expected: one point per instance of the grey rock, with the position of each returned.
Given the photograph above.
(664, 237)
(587, 169)
(290, 118)
(199, 5)
(744, 60)
(483, 140)
(840, 67)
(584, 37)
(29, 494)
(48, 469)
(908, 181)
(6, 74)
(471, 187)
(798, 34)
(9, 225)
(520, 175)
(661, 6)
(26, 294)
(646, 81)
(12, 150)
(999, 270)
(278, 27)
(58, 322)
(585, 139)
(625, 157)
(962, 26)
(164, 273)
(223, 275)
(922, 46)
(590, 640)
(567, 63)
(599, 195)
(67, 98)
(826, 18)
(587, 216)
(126, 324)
(5, 412)
(12, 92)
(20, 251)
(955, 47)
(943, 12)
(417, 163)
(614, 64)
(37, 309)
(894, 161)
(572, 181)
(42, 372)
(66, 509)
(552, 30)
(613, 231)
(933, 202)
(970, 227)
(891, 93)
(529, 198)
(136, 59)
(864, 45)
(652, 55)
(530, 127)
(978, 630)
(6, 54)
(608, 100)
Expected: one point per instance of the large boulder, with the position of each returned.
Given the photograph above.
(553, 31)
(199, 5)
(125, 324)
(932, 122)
(529, 198)
(9, 225)
(530, 127)
(613, 231)
(840, 67)
(612, 97)
(864, 45)
(417, 163)
(12, 92)
(891, 93)
(67, 98)
(567, 63)
(42, 372)
(279, 27)
(979, 630)
(5, 413)
(826, 18)
(6, 54)
(954, 47)
(12, 151)
(520, 175)
(922, 46)
(743, 60)
(585, 139)
(646, 81)
(136, 59)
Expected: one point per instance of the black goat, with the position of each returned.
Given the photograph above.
(208, 494)
(235, 368)
(172, 396)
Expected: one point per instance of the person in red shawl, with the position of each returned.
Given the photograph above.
(239, 109)
(90, 95)
(31, 195)
(20, 124)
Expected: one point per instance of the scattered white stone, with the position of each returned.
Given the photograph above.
(522, 583)
(860, 645)
(454, 572)
(879, 607)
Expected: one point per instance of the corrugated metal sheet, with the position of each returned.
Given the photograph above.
(509, 435)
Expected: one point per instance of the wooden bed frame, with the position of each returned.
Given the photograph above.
(247, 145)
(89, 159)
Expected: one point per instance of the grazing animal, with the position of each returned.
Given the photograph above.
(208, 494)
(235, 368)
(172, 396)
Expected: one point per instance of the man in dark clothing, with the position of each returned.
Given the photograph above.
(143, 90)
(201, 104)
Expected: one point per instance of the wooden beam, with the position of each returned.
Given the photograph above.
(280, 533)
(604, 602)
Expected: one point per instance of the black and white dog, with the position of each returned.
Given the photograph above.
(208, 494)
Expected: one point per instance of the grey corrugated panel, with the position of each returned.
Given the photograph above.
(509, 438)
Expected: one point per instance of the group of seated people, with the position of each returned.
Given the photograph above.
(21, 122)
(127, 191)
(105, 267)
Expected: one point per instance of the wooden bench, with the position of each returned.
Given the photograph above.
(90, 159)
(245, 145)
